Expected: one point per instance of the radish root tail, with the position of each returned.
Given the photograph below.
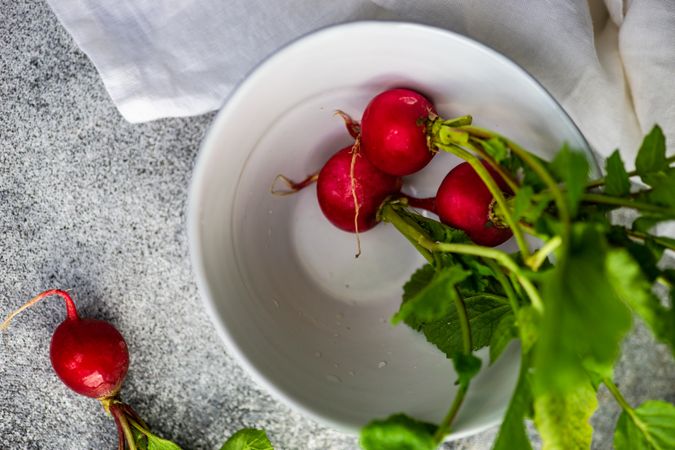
(353, 127)
(357, 206)
(291, 186)
(71, 311)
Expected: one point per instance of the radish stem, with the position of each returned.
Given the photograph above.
(664, 281)
(506, 176)
(444, 428)
(463, 322)
(120, 433)
(418, 237)
(537, 259)
(632, 173)
(616, 201)
(124, 424)
(614, 390)
(505, 283)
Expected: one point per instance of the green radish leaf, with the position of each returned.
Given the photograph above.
(248, 439)
(418, 281)
(512, 433)
(484, 314)
(596, 379)
(650, 427)
(528, 325)
(571, 167)
(516, 167)
(504, 332)
(466, 366)
(651, 157)
(646, 254)
(530, 177)
(481, 280)
(563, 419)
(398, 432)
(158, 443)
(525, 207)
(617, 182)
(646, 222)
(585, 320)
(496, 148)
(662, 188)
(522, 202)
(631, 285)
(436, 299)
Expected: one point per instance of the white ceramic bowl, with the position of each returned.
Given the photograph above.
(308, 321)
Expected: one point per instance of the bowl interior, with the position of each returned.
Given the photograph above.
(309, 321)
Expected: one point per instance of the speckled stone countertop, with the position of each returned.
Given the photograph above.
(91, 203)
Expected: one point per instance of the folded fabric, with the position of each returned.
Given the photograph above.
(611, 65)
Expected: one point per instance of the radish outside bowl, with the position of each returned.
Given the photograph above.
(307, 320)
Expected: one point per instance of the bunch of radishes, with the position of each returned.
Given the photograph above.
(399, 135)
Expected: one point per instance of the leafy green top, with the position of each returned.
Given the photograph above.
(569, 302)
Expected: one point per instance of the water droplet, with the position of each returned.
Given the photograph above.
(381, 364)
(317, 354)
(348, 327)
(383, 320)
(269, 211)
(333, 379)
(336, 334)
(339, 316)
(336, 365)
(347, 285)
(276, 302)
(269, 232)
(351, 373)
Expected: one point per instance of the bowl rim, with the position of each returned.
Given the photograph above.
(196, 189)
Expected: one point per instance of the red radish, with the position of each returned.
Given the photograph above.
(91, 357)
(350, 190)
(463, 201)
(394, 131)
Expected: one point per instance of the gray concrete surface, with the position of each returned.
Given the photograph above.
(92, 203)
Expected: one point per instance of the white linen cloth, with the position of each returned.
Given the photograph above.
(610, 64)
